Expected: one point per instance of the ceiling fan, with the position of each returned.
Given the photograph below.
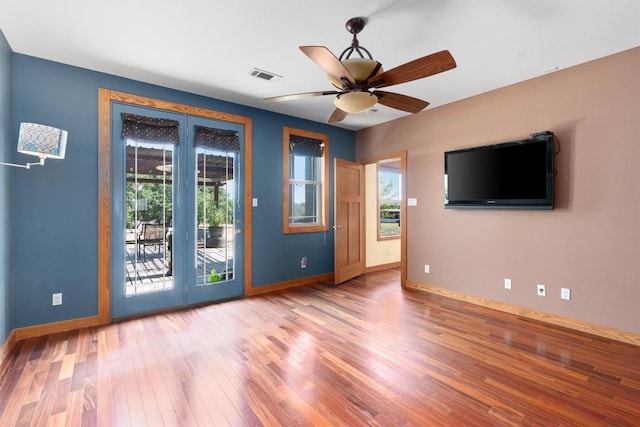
(357, 80)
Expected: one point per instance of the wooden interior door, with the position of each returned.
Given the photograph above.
(349, 217)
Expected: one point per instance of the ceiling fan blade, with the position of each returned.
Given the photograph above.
(300, 96)
(337, 116)
(328, 62)
(400, 102)
(417, 69)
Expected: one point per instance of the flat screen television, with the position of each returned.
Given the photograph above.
(510, 175)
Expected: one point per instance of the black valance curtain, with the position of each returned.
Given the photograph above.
(302, 146)
(149, 129)
(218, 139)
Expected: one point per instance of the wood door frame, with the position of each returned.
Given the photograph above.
(105, 98)
(402, 155)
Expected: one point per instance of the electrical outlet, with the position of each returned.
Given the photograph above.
(426, 268)
(56, 299)
(303, 262)
(542, 290)
(565, 293)
(507, 283)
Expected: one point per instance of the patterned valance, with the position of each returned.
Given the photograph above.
(218, 139)
(303, 146)
(149, 129)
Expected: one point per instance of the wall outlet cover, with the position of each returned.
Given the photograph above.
(56, 299)
(542, 291)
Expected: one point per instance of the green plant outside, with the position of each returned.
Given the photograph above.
(159, 204)
(211, 214)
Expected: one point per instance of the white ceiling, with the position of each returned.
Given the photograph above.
(209, 47)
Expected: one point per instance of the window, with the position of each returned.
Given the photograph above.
(305, 170)
(389, 199)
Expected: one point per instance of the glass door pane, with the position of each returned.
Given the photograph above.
(215, 261)
(149, 211)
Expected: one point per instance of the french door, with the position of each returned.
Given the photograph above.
(214, 239)
(176, 210)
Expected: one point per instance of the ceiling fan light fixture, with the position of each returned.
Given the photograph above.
(357, 79)
(360, 69)
(355, 102)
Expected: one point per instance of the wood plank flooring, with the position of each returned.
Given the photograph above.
(363, 353)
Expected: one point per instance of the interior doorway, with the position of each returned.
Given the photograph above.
(386, 212)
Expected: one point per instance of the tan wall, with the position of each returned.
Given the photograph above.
(378, 252)
(590, 243)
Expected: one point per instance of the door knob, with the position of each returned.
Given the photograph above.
(337, 227)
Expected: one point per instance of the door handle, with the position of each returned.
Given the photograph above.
(337, 227)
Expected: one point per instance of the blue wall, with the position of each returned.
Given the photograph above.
(54, 210)
(6, 310)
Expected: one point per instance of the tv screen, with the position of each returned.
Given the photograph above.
(510, 175)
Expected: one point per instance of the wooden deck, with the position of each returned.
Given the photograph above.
(147, 269)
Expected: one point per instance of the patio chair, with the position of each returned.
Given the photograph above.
(152, 235)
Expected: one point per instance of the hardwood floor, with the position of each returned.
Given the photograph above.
(363, 353)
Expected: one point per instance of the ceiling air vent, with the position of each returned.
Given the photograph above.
(265, 75)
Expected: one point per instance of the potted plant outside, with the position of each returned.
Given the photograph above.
(216, 228)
